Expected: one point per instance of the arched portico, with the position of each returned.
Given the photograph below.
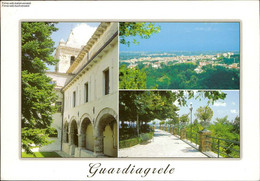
(106, 133)
(86, 140)
(73, 133)
(65, 132)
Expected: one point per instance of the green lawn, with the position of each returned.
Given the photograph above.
(41, 155)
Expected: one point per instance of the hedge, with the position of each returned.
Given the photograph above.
(134, 141)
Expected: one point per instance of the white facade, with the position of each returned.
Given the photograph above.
(89, 92)
(65, 54)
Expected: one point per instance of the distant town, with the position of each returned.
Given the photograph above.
(201, 60)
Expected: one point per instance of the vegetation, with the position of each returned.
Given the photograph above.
(183, 76)
(132, 29)
(184, 119)
(137, 140)
(38, 95)
(204, 114)
(222, 128)
(41, 155)
(131, 78)
(138, 108)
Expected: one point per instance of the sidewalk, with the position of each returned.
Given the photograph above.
(163, 144)
(64, 155)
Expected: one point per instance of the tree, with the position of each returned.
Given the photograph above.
(145, 106)
(162, 122)
(236, 125)
(219, 77)
(143, 30)
(204, 114)
(223, 120)
(38, 96)
(176, 120)
(225, 129)
(131, 78)
(184, 118)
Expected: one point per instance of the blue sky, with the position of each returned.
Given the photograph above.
(190, 37)
(65, 29)
(227, 107)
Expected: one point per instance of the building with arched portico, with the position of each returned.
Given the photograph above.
(87, 84)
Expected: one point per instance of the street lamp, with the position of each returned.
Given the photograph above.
(191, 120)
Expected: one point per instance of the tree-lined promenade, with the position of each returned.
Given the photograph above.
(138, 109)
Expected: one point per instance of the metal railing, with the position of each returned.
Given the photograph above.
(216, 143)
(194, 139)
(217, 146)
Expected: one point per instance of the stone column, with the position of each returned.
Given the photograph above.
(64, 136)
(80, 141)
(183, 133)
(70, 140)
(205, 142)
(83, 139)
(98, 145)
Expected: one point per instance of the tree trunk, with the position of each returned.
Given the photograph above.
(137, 124)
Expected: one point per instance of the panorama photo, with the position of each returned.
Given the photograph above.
(183, 55)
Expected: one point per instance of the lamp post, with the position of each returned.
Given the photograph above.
(191, 120)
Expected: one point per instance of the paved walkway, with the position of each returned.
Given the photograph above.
(163, 144)
(64, 155)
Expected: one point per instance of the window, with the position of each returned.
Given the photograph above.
(74, 99)
(86, 92)
(59, 106)
(72, 59)
(106, 81)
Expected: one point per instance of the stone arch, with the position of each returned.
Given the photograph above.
(106, 132)
(105, 112)
(73, 133)
(86, 115)
(66, 132)
(86, 140)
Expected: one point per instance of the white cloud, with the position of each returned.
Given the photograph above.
(80, 35)
(217, 103)
(233, 111)
(233, 103)
(220, 111)
(206, 28)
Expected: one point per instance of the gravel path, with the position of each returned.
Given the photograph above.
(163, 144)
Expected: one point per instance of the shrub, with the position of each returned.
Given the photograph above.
(146, 136)
(134, 141)
(129, 143)
(146, 128)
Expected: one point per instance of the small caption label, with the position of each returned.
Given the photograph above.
(16, 4)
